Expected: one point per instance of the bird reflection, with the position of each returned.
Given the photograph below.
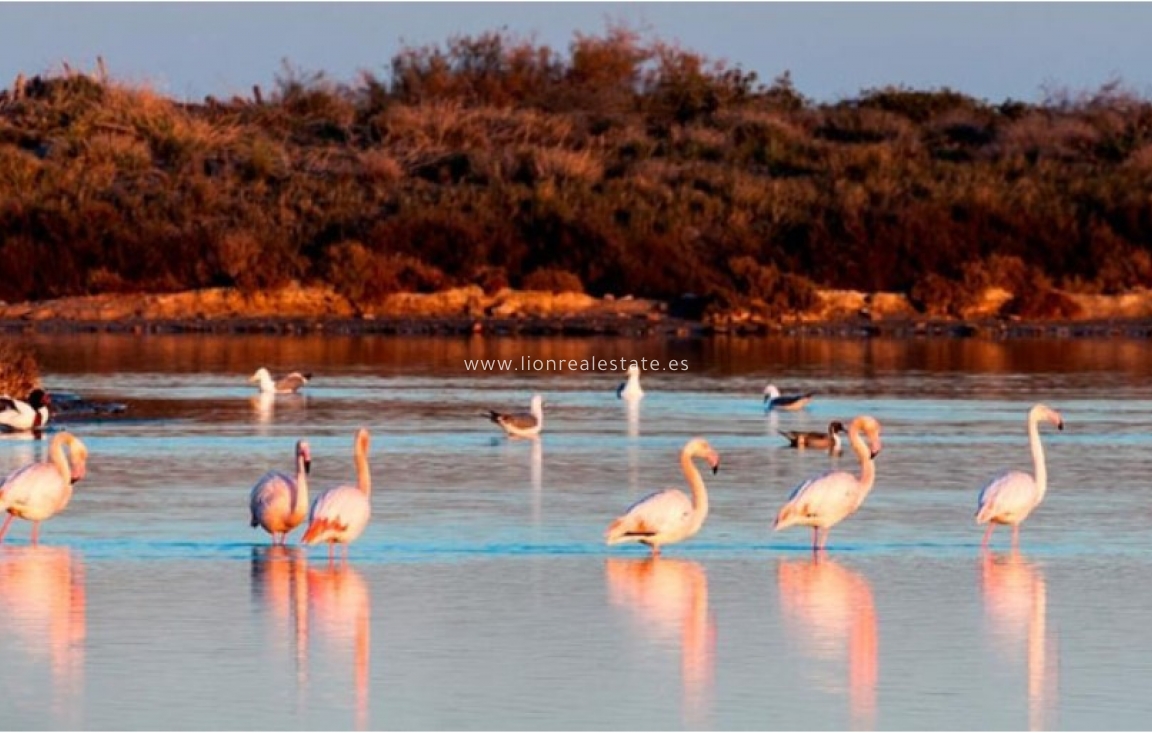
(670, 599)
(328, 606)
(537, 479)
(263, 405)
(833, 610)
(1016, 604)
(279, 582)
(338, 598)
(632, 413)
(43, 612)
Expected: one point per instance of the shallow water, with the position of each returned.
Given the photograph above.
(481, 596)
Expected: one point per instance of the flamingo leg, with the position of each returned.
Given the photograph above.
(4, 529)
(1015, 536)
(824, 537)
(35, 533)
(331, 552)
(815, 539)
(987, 536)
(655, 550)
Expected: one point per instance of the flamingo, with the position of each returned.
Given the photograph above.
(773, 400)
(668, 516)
(39, 490)
(829, 440)
(20, 416)
(1012, 495)
(823, 501)
(279, 503)
(289, 384)
(340, 515)
(630, 390)
(520, 424)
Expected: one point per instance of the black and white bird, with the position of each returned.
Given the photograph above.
(20, 416)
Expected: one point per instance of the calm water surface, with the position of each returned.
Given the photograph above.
(481, 595)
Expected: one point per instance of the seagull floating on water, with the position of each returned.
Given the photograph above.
(773, 400)
(630, 390)
(285, 385)
(521, 424)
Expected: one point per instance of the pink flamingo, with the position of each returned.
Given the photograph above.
(340, 515)
(39, 490)
(279, 503)
(1011, 496)
(668, 516)
(824, 501)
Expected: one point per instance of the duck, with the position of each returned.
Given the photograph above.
(20, 416)
(829, 440)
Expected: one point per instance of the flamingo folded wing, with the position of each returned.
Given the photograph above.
(655, 513)
(1007, 499)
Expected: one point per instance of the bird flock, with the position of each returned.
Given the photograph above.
(279, 501)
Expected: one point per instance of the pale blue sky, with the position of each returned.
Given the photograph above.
(990, 50)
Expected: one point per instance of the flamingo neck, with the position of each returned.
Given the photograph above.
(1040, 466)
(300, 505)
(363, 475)
(59, 459)
(867, 465)
(699, 492)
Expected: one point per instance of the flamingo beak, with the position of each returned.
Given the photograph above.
(1060, 425)
(307, 465)
(876, 447)
(714, 461)
(79, 471)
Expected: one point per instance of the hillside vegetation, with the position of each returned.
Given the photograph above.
(621, 165)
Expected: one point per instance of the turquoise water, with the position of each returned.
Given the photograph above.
(481, 595)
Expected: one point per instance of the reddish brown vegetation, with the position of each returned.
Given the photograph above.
(626, 165)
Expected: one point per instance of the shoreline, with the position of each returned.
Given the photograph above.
(667, 328)
(469, 311)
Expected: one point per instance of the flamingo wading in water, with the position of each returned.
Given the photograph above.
(668, 516)
(340, 515)
(1011, 496)
(40, 490)
(279, 502)
(824, 501)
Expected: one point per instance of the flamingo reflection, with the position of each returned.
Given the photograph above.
(669, 597)
(42, 606)
(537, 477)
(280, 583)
(339, 603)
(632, 413)
(1016, 604)
(327, 608)
(832, 609)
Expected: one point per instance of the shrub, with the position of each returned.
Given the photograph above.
(553, 281)
(19, 371)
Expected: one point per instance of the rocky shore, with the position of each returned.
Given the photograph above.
(460, 311)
